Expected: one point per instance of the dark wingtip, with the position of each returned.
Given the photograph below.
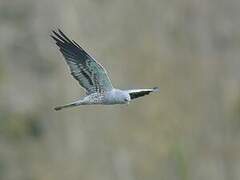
(54, 35)
(156, 89)
(59, 30)
(59, 36)
(51, 33)
(64, 36)
(54, 31)
(57, 108)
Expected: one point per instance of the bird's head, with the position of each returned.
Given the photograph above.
(125, 98)
(122, 97)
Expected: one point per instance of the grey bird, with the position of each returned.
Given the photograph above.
(92, 76)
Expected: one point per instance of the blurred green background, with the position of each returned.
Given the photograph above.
(189, 131)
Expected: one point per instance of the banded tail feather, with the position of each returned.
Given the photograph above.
(67, 106)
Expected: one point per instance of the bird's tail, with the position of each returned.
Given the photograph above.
(67, 106)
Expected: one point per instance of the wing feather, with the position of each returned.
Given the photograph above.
(90, 74)
(136, 93)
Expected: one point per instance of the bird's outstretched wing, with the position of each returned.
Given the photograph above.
(136, 93)
(90, 74)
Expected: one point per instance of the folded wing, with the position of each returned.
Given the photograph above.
(90, 74)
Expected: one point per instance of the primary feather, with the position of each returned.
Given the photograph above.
(90, 74)
(136, 93)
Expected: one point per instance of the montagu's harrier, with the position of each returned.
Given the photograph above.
(92, 76)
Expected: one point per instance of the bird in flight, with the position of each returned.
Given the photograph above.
(92, 76)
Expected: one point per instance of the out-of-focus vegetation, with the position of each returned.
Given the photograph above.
(190, 130)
